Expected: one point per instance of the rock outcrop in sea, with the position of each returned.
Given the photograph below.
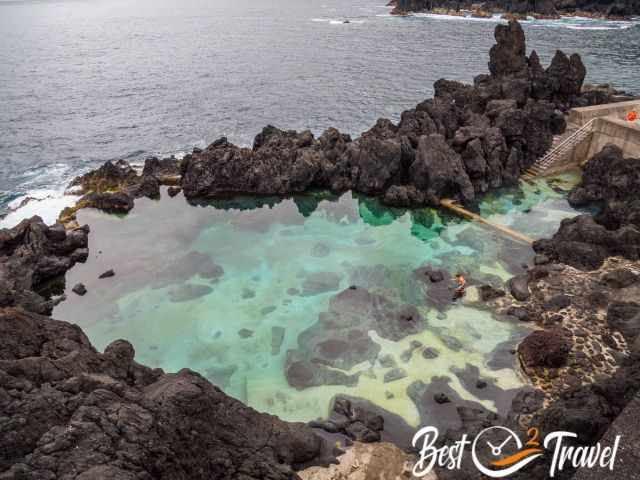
(539, 8)
(463, 142)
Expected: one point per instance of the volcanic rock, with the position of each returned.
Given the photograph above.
(625, 318)
(519, 287)
(64, 395)
(108, 274)
(545, 348)
(79, 289)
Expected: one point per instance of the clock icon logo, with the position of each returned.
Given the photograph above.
(503, 452)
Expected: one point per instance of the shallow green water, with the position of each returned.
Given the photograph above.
(283, 261)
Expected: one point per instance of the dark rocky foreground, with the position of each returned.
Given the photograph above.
(69, 412)
(545, 8)
(466, 140)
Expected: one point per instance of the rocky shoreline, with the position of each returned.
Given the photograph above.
(521, 9)
(72, 412)
(465, 141)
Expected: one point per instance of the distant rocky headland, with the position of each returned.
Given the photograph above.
(619, 10)
(70, 412)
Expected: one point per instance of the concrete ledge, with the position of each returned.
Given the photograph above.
(613, 130)
(580, 116)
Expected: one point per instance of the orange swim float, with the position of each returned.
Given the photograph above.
(632, 116)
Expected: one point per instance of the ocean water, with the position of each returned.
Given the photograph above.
(85, 81)
(272, 251)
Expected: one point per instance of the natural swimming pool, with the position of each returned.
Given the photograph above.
(258, 295)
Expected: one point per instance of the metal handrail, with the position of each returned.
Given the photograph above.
(567, 142)
(571, 137)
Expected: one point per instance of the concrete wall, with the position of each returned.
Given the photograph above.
(580, 116)
(609, 126)
(624, 134)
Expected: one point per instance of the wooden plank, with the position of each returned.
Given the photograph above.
(463, 212)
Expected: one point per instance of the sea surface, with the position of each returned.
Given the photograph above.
(85, 81)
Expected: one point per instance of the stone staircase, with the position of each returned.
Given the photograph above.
(560, 151)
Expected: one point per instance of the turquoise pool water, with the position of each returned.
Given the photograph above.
(227, 289)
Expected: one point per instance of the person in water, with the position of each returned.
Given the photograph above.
(459, 293)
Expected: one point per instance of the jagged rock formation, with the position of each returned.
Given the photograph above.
(33, 258)
(614, 182)
(68, 411)
(463, 142)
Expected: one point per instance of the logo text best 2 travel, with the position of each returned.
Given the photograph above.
(506, 453)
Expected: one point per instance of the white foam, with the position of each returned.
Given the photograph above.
(337, 21)
(570, 23)
(579, 23)
(466, 18)
(45, 203)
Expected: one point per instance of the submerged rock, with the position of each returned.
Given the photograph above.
(220, 376)
(387, 361)
(302, 373)
(340, 338)
(64, 393)
(441, 398)
(430, 353)
(320, 250)
(184, 267)
(488, 293)
(436, 286)
(245, 333)
(277, 337)
(320, 282)
(189, 292)
(394, 374)
(438, 404)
